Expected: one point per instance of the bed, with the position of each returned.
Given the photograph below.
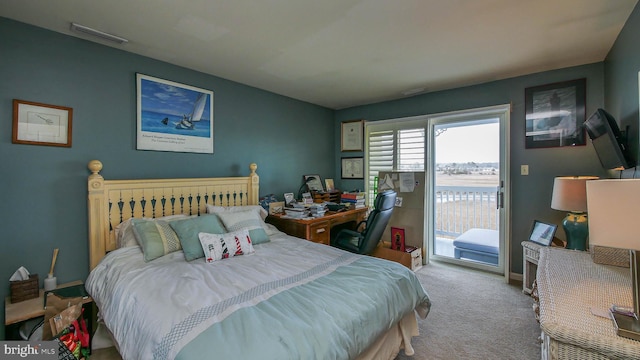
(269, 296)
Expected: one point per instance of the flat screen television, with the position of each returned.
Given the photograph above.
(608, 141)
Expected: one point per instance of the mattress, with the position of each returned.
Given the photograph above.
(291, 299)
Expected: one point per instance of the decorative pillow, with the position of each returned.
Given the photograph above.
(188, 229)
(124, 230)
(212, 209)
(221, 246)
(155, 237)
(270, 230)
(248, 219)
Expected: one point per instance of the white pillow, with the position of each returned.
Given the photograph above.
(221, 246)
(212, 209)
(270, 230)
(124, 230)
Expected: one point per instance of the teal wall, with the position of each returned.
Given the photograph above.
(530, 195)
(43, 189)
(621, 81)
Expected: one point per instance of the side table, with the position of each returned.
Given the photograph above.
(530, 256)
(16, 313)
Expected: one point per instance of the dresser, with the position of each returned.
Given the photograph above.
(570, 288)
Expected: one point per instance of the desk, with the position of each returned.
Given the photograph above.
(317, 229)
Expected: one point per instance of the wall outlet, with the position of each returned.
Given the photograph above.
(524, 169)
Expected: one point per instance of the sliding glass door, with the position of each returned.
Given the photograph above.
(465, 158)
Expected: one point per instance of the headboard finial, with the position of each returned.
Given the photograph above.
(95, 166)
(253, 167)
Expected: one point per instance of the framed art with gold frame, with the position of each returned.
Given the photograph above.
(41, 124)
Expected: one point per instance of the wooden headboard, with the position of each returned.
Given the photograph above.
(111, 202)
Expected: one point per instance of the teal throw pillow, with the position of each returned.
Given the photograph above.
(188, 230)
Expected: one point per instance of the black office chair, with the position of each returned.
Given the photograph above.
(365, 241)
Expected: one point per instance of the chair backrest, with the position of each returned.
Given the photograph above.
(377, 220)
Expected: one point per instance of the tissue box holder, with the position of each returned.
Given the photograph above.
(25, 289)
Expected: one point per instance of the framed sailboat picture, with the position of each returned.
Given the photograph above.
(173, 117)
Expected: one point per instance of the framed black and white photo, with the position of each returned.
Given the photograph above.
(173, 116)
(41, 124)
(555, 114)
(353, 168)
(352, 135)
(542, 233)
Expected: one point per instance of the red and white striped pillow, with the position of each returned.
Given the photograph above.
(222, 246)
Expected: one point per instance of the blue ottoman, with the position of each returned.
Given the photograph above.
(479, 245)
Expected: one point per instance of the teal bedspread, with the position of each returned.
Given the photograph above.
(313, 315)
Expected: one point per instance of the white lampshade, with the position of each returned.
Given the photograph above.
(614, 213)
(570, 193)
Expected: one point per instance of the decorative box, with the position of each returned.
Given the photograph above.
(25, 289)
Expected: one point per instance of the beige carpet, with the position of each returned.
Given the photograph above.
(474, 315)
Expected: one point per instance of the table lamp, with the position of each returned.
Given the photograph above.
(613, 222)
(570, 194)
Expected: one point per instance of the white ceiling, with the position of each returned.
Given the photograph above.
(342, 53)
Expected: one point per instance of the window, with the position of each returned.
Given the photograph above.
(394, 145)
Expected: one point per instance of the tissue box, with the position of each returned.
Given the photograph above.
(25, 289)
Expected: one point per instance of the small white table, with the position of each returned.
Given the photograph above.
(530, 256)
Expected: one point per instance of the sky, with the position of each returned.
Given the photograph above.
(477, 143)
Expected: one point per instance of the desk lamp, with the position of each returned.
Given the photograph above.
(570, 194)
(613, 222)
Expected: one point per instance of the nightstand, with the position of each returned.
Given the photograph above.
(530, 256)
(16, 313)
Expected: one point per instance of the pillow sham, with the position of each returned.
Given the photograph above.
(213, 209)
(270, 230)
(248, 219)
(221, 246)
(155, 237)
(124, 230)
(188, 229)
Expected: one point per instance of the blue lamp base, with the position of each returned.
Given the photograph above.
(576, 228)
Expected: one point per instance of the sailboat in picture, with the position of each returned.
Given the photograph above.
(188, 121)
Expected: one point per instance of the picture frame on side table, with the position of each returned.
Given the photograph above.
(555, 114)
(542, 233)
(352, 135)
(173, 116)
(41, 124)
(352, 168)
(397, 239)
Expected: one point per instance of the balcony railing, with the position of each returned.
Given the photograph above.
(460, 208)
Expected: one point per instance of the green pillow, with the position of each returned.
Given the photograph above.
(155, 237)
(188, 229)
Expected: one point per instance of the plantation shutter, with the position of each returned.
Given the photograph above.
(395, 145)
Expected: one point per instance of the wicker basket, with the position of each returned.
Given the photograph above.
(610, 256)
(25, 289)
